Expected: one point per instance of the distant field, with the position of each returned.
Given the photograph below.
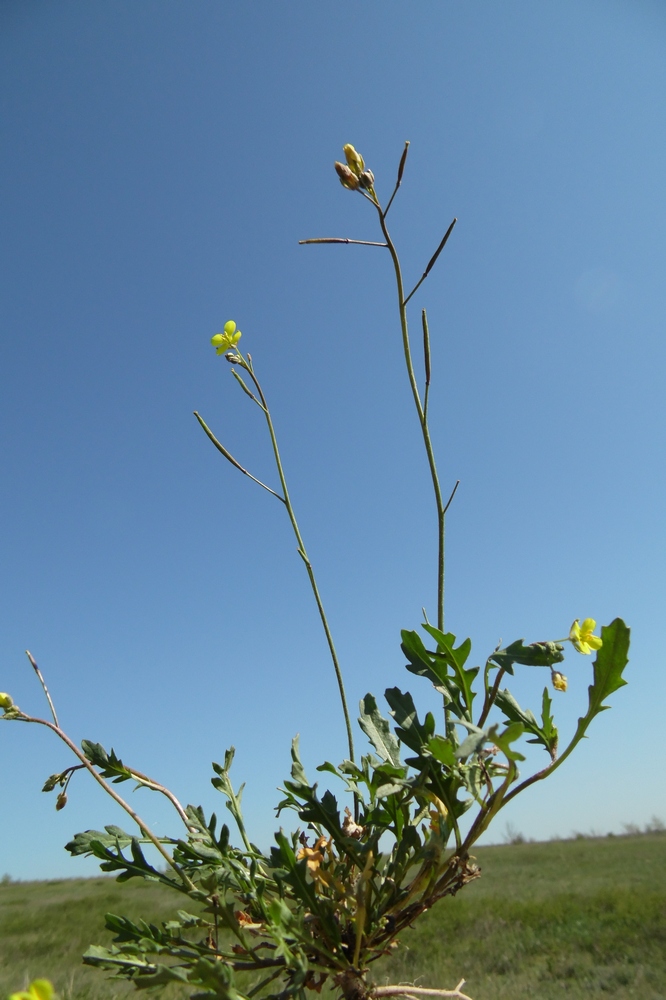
(566, 920)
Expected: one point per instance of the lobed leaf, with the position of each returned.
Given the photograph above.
(378, 731)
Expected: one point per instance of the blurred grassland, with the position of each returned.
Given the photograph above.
(565, 919)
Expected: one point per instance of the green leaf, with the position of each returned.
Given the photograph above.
(504, 739)
(608, 667)
(113, 837)
(537, 654)
(455, 688)
(297, 770)
(378, 731)
(456, 658)
(110, 765)
(609, 664)
(410, 731)
(413, 648)
(442, 750)
(547, 724)
(472, 743)
(447, 640)
(113, 958)
(546, 735)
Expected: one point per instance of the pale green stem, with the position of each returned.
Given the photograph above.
(304, 556)
(423, 420)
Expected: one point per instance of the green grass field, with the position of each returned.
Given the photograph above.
(566, 919)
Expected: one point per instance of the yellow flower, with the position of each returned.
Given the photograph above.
(354, 159)
(314, 856)
(230, 337)
(559, 681)
(39, 989)
(6, 700)
(582, 638)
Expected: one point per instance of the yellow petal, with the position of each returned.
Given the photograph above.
(354, 159)
(229, 327)
(42, 989)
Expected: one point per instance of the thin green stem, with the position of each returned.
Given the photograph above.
(304, 556)
(43, 683)
(423, 419)
(540, 775)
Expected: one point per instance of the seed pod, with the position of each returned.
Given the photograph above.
(559, 681)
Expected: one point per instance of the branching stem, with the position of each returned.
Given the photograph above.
(145, 829)
(230, 458)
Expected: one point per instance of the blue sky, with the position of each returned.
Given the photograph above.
(160, 162)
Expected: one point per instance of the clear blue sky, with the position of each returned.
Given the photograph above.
(160, 162)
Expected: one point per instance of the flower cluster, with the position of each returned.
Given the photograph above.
(353, 174)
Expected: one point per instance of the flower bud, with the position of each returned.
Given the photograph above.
(559, 681)
(61, 801)
(354, 159)
(6, 701)
(348, 179)
(232, 358)
(367, 179)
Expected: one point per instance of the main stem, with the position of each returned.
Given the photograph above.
(308, 565)
(423, 420)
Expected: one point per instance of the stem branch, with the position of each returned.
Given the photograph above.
(43, 683)
(230, 458)
(423, 420)
(145, 829)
